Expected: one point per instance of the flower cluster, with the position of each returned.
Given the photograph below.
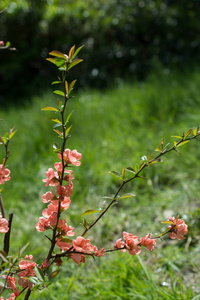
(4, 174)
(133, 245)
(178, 228)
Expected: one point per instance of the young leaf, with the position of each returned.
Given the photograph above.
(66, 87)
(136, 167)
(77, 51)
(11, 133)
(56, 120)
(182, 143)
(59, 54)
(68, 117)
(72, 85)
(177, 136)
(149, 158)
(5, 137)
(57, 131)
(115, 173)
(57, 92)
(74, 63)
(196, 131)
(49, 108)
(39, 274)
(90, 211)
(71, 52)
(187, 133)
(54, 274)
(56, 82)
(130, 169)
(126, 196)
(23, 249)
(67, 130)
(162, 144)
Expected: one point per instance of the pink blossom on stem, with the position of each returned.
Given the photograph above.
(131, 242)
(178, 228)
(47, 197)
(3, 225)
(65, 230)
(83, 245)
(42, 225)
(64, 190)
(148, 242)
(1, 43)
(27, 265)
(11, 284)
(71, 157)
(100, 252)
(4, 174)
(119, 245)
(45, 264)
(52, 178)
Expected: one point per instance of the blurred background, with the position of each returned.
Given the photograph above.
(122, 38)
(139, 83)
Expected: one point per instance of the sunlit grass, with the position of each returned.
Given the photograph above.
(114, 129)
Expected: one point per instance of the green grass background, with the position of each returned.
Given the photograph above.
(113, 129)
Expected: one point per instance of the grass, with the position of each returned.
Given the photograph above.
(114, 129)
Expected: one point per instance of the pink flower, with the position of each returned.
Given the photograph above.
(131, 243)
(178, 228)
(119, 244)
(148, 242)
(1, 43)
(27, 265)
(63, 229)
(3, 225)
(64, 190)
(4, 174)
(83, 245)
(52, 178)
(11, 284)
(42, 225)
(100, 252)
(71, 157)
(47, 197)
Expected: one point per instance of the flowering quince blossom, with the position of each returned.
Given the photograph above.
(178, 228)
(27, 266)
(12, 297)
(131, 244)
(4, 174)
(3, 225)
(1, 43)
(11, 284)
(71, 157)
(148, 242)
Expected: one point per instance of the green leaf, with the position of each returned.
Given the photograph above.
(59, 54)
(126, 196)
(74, 63)
(23, 249)
(71, 85)
(11, 133)
(162, 144)
(54, 274)
(67, 130)
(196, 131)
(56, 82)
(115, 173)
(57, 92)
(77, 51)
(167, 222)
(56, 120)
(71, 52)
(66, 87)
(57, 131)
(49, 108)
(39, 274)
(5, 137)
(68, 117)
(90, 211)
(136, 167)
(182, 143)
(149, 158)
(177, 136)
(187, 133)
(130, 169)
(158, 149)
(3, 256)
